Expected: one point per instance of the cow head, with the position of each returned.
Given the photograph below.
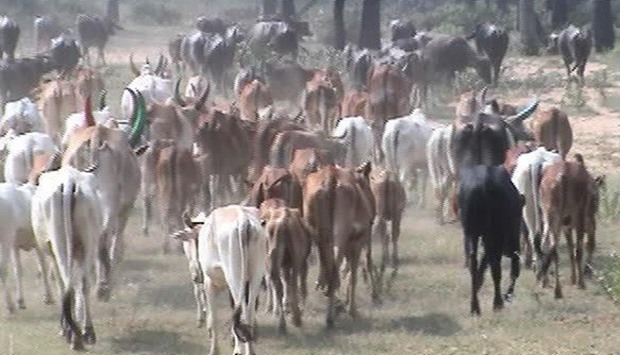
(520, 132)
(191, 110)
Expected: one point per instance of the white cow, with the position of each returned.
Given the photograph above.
(67, 217)
(22, 154)
(77, 121)
(154, 89)
(21, 116)
(440, 169)
(404, 147)
(356, 135)
(230, 253)
(16, 234)
(526, 178)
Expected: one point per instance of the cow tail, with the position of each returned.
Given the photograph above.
(68, 191)
(331, 211)
(255, 99)
(394, 151)
(278, 152)
(555, 118)
(535, 175)
(242, 331)
(353, 147)
(323, 109)
(28, 155)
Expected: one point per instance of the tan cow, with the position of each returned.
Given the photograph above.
(354, 104)
(339, 207)
(552, 129)
(569, 197)
(275, 183)
(57, 100)
(254, 97)
(288, 247)
(323, 98)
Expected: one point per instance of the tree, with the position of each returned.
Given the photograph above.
(559, 13)
(287, 9)
(603, 25)
(268, 8)
(340, 35)
(112, 12)
(370, 32)
(528, 28)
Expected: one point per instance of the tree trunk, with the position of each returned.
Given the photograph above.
(268, 8)
(502, 5)
(603, 25)
(528, 28)
(559, 13)
(112, 12)
(370, 32)
(287, 9)
(340, 35)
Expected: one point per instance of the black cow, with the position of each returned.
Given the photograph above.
(490, 209)
(448, 54)
(64, 53)
(492, 41)
(286, 79)
(19, 77)
(94, 31)
(46, 28)
(275, 36)
(211, 25)
(575, 45)
(358, 62)
(402, 30)
(9, 35)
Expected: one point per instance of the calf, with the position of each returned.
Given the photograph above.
(575, 46)
(567, 203)
(230, 252)
(490, 209)
(552, 129)
(288, 247)
(67, 219)
(17, 234)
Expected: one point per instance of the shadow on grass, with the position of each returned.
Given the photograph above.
(431, 324)
(154, 342)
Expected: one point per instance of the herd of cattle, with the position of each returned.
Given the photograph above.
(296, 181)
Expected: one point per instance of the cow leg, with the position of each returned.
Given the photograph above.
(17, 269)
(89, 329)
(278, 295)
(329, 278)
(103, 268)
(3, 277)
(47, 297)
(148, 213)
(473, 272)
(558, 286)
(353, 261)
(579, 256)
(515, 270)
(590, 245)
(496, 273)
(396, 220)
(421, 186)
(570, 245)
(293, 294)
(199, 296)
(211, 315)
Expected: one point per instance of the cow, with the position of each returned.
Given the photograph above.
(9, 35)
(440, 170)
(23, 152)
(174, 51)
(402, 30)
(154, 88)
(339, 207)
(94, 31)
(286, 80)
(64, 54)
(490, 209)
(575, 45)
(492, 41)
(19, 77)
(447, 55)
(17, 235)
(358, 63)
(254, 97)
(526, 177)
(388, 98)
(354, 103)
(275, 183)
(211, 25)
(308, 160)
(288, 247)
(118, 176)
(552, 129)
(77, 121)
(568, 200)
(356, 137)
(390, 199)
(89, 82)
(274, 36)
(57, 100)
(46, 28)
(285, 143)
(404, 147)
(67, 220)
(177, 183)
(229, 254)
(20, 117)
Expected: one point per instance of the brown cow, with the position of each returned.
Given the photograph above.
(177, 180)
(309, 160)
(512, 155)
(253, 97)
(339, 207)
(552, 129)
(569, 197)
(388, 97)
(390, 200)
(288, 247)
(266, 132)
(321, 106)
(56, 101)
(354, 104)
(275, 183)
(287, 142)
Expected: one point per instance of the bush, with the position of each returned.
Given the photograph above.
(149, 13)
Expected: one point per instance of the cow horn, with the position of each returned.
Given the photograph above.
(203, 98)
(483, 96)
(132, 66)
(160, 65)
(140, 122)
(344, 134)
(526, 112)
(102, 97)
(91, 168)
(88, 113)
(54, 162)
(177, 96)
(298, 117)
(134, 102)
(141, 149)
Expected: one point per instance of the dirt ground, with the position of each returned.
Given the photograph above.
(427, 310)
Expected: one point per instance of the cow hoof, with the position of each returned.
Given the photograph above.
(21, 304)
(77, 345)
(89, 335)
(582, 285)
(508, 297)
(558, 294)
(587, 271)
(498, 306)
(297, 321)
